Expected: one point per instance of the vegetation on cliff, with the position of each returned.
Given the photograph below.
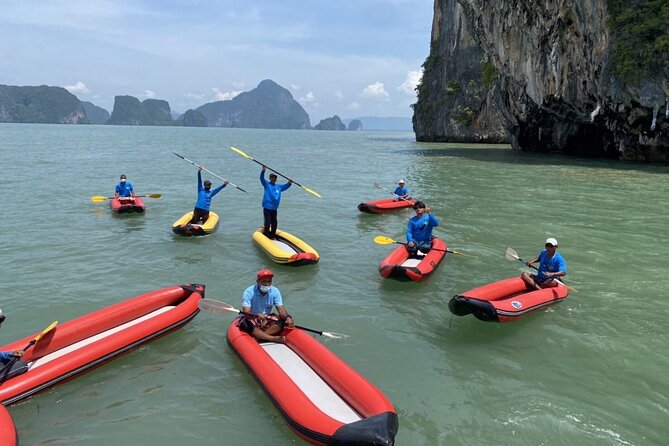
(42, 104)
(333, 123)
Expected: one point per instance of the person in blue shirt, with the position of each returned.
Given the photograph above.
(270, 201)
(258, 301)
(551, 266)
(124, 188)
(204, 196)
(419, 229)
(401, 192)
(6, 357)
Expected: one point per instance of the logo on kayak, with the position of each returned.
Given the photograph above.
(517, 305)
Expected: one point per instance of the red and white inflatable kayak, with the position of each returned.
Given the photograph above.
(126, 205)
(384, 206)
(505, 301)
(322, 399)
(77, 346)
(399, 265)
(8, 436)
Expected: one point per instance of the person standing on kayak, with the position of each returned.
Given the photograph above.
(551, 266)
(258, 301)
(124, 188)
(419, 229)
(271, 200)
(401, 192)
(204, 196)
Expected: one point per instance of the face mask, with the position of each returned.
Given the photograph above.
(265, 288)
(123, 180)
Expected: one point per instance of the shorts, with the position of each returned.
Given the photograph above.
(247, 324)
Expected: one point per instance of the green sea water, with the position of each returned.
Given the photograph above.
(589, 371)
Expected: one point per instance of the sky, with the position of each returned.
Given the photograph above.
(350, 58)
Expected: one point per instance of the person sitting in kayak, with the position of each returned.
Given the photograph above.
(270, 201)
(401, 192)
(10, 363)
(124, 189)
(551, 266)
(204, 196)
(419, 229)
(257, 303)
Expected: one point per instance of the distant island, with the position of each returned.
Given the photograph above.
(268, 106)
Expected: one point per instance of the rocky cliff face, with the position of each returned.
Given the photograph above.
(129, 111)
(333, 123)
(41, 104)
(552, 83)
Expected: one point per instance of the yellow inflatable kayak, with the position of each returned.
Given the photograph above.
(286, 248)
(183, 226)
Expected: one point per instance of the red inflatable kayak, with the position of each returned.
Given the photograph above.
(322, 399)
(77, 346)
(385, 205)
(8, 436)
(505, 301)
(399, 266)
(126, 205)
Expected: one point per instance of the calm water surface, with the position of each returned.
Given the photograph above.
(590, 371)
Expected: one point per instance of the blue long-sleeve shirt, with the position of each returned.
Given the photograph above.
(204, 196)
(124, 189)
(4, 356)
(419, 229)
(550, 265)
(272, 196)
(401, 191)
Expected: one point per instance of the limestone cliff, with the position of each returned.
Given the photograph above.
(586, 77)
(333, 123)
(41, 104)
(129, 111)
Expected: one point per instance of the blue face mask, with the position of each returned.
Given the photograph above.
(265, 288)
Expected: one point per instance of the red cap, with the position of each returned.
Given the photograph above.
(264, 273)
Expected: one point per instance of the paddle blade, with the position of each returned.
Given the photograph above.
(333, 335)
(235, 149)
(154, 195)
(216, 307)
(98, 198)
(383, 240)
(311, 191)
(377, 185)
(462, 254)
(45, 331)
(511, 254)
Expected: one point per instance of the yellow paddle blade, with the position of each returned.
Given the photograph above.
(313, 192)
(154, 195)
(45, 331)
(462, 254)
(241, 153)
(98, 198)
(383, 240)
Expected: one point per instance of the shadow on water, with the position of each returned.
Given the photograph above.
(504, 154)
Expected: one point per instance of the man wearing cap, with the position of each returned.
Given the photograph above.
(124, 188)
(270, 201)
(419, 229)
(204, 196)
(401, 192)
(552, 266)
(257, 303)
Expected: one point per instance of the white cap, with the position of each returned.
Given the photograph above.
(401, 181)
(551, 241)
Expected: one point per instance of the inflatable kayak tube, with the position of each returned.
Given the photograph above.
(505, 301)
(286, 248)
(385, 206)
(399, 265)
(8, 435)
(321, 398)
(127, 205)
(183, 226)
(76, 346)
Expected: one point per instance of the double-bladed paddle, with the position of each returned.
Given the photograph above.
(383, 240)
(218, 307)
(378, 186)
(98, 198)
(511, 254)
(209, 171)
(34, 341)
(311, 191)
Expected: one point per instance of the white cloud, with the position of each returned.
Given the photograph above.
(294, 87)
(339, 95)
(149, 94)
(308, 99)
(79, 87)
(224, 95)
(375, 91)
(354, 106)
(194, 96)
(409, 85)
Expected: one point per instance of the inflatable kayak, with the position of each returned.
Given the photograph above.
(505, 301)
(399, 265)
(384, 206)
(322, 399)
(127, 205)
(77, 346)
(8, 435)
(183, 226)
(286, 248)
